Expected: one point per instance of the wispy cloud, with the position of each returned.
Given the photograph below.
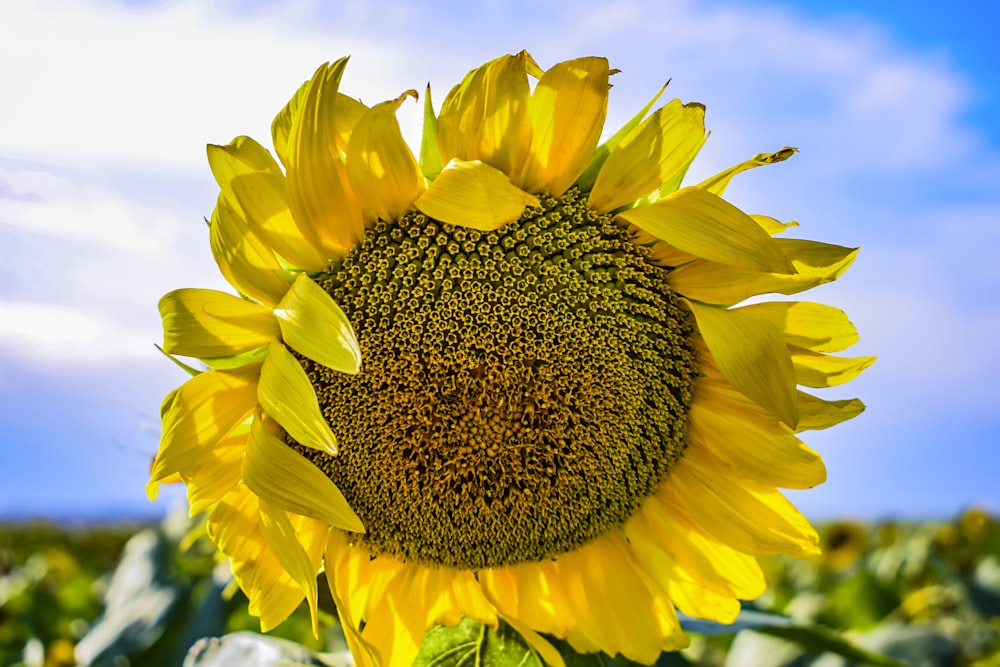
(97, 82)
(56, 334)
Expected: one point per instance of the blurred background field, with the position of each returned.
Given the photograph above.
(921, 593)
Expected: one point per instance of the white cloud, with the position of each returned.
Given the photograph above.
(82, 265)
(56, 334)
(842, 89)
(59, 209)
(95, 82)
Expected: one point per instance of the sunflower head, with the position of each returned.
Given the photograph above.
(507, 380)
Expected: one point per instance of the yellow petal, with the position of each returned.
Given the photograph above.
(283, 543)
(567, 112)
(247, 262)
(528, 593)
(285, 478)
(241, 156)
(281, 126)
(661, 535)
(318, 192)
(752, 354)
(605, 576)
(698, 602)
(394, 630)
(382, 171)
(485, 117)
(198, 414)
(813, 369)
(286, 394)
(760, 448)
(397, 626)
(474, 194)
(816, 413)
(207, 323)
(717, 184)
(252, 183)
(710, 282)
(813, 326)
(217, 471)
(664, 254)
(234, 526)
(589, 175)
(673, 183)
(346, 567)
(264, 199)
(541, 646)
(347, 111)
(751, 517)
(773, 226)
(663, 144)
(314, 325)
(704, 225)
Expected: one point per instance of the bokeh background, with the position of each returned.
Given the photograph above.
(107, 106)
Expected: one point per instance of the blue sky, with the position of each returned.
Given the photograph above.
(103, 187)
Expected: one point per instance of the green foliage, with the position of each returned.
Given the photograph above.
(470, 644)
(922, 594)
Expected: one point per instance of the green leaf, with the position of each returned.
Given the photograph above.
(860, 601)
(471, 644)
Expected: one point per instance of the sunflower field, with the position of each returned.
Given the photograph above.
(886, 593)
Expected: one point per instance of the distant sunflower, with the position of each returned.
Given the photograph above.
(503, 381)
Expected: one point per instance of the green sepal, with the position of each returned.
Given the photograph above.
(430, 154)
(237, 360)
(190, 370)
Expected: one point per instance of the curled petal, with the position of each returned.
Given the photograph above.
(318, 190)
(382, 171)
(589, 175)
(485, 117)
(281, 539)
(814, 369)
(566, 112)
(816, 413)
(234, 526)
(717, 184)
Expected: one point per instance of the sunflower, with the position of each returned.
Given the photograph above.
(503, 380)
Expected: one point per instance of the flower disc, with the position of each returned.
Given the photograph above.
(523, 390)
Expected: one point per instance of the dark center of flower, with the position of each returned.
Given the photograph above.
(522, 390)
